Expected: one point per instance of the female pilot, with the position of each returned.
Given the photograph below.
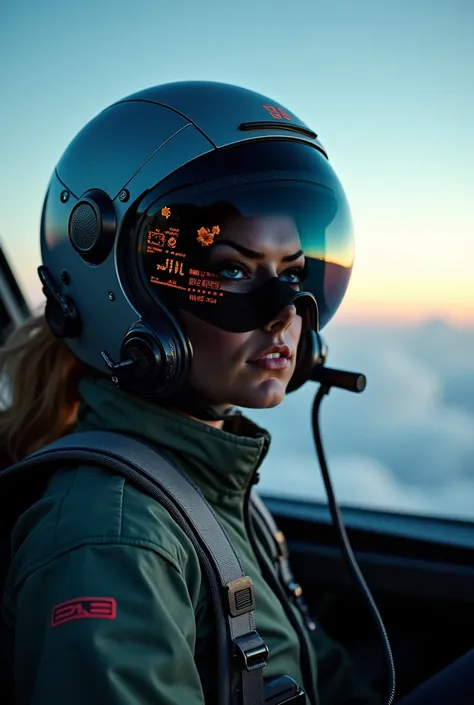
(194, 238)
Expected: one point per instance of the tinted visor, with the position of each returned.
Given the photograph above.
(235, 249)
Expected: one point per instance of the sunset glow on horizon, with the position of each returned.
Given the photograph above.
(397, 130)
(369, 299)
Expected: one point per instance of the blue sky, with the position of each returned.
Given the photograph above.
(389, 88)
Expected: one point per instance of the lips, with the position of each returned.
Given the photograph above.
(282, 350)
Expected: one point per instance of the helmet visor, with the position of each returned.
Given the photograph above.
(212, 248)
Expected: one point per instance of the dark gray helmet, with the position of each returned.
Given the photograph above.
(142, 195)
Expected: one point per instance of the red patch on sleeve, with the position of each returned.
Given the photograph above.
(84, 608)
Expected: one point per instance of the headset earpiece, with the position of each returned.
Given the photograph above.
(154, 362)
(312, 352)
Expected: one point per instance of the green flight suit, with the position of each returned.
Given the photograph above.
(94, 535)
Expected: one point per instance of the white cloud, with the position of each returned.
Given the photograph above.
(406, 443)
(458, 389)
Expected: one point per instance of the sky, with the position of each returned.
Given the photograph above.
(388, 87)
(405, 444)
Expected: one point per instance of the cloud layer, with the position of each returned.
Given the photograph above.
(405, 444)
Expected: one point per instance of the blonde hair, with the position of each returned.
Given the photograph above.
(38, 388)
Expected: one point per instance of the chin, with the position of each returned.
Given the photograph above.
(266, 395)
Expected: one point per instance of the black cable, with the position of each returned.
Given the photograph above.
(346, 548)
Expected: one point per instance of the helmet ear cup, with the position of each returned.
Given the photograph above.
(311, 353)
(154, 361)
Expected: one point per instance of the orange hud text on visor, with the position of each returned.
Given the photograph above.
(235, 255)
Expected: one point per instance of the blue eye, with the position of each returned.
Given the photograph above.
(292, 276)
(232, 271)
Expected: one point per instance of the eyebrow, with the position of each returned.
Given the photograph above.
(252, 254)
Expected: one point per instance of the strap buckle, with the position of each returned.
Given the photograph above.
(241, 596)
(252, 650)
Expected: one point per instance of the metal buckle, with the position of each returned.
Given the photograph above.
(252, 649)
(284, 690)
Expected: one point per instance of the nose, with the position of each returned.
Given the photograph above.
(282, 321)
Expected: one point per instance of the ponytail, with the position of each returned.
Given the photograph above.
(38, 388)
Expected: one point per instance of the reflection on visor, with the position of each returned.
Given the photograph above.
(182, 261)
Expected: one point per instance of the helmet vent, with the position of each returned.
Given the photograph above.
(265, 125)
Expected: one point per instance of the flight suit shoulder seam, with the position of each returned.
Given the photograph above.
(99, 541)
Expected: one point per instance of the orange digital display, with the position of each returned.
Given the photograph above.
(172, 266)
(167, 266)
(204, 287)
(158, 239)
